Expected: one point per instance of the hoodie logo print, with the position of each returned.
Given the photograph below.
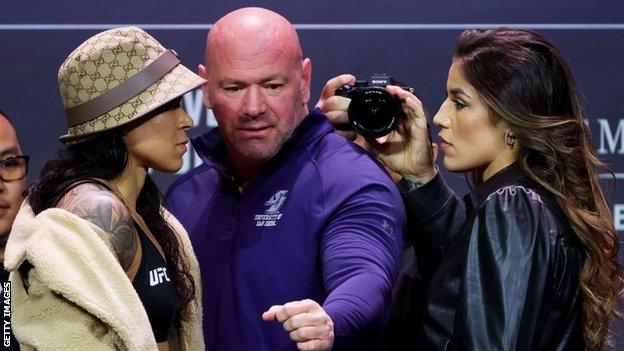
(272, 213)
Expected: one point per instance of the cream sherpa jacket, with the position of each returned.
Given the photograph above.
(79, 297)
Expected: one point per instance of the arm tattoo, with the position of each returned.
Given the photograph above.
(99, 206)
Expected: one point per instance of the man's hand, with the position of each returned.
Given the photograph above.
(306, 321)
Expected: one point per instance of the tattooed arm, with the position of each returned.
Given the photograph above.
(99, 206)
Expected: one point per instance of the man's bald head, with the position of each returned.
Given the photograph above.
(258, 85)
(257, 29)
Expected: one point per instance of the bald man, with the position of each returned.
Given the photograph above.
(13, 168)
(297, 231)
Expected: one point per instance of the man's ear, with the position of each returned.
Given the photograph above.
(306, 80)
(203, 72)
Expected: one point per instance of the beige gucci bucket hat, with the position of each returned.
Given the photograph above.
(116, 77)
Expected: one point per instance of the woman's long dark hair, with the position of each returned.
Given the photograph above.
(105, 156)
(525, 82)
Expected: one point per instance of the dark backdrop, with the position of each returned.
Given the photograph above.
(411, 40)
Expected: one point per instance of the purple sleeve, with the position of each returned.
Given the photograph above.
(360, 252)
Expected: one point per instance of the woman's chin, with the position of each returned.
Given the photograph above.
(451, 164)
(169, 168)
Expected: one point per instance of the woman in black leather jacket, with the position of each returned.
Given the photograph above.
(529, 259)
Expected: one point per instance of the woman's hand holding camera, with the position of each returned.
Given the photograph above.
(406, 150)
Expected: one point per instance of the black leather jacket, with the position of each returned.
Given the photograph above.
(502, 267)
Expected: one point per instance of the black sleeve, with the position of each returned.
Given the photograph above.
(435, 217)
(505, 278)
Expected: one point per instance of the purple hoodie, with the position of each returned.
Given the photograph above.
(321, 221)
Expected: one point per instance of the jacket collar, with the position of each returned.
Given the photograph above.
(212, 150)
(504, 177)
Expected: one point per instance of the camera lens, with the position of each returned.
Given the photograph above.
(374, 112)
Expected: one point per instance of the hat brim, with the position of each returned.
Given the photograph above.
(177, 82)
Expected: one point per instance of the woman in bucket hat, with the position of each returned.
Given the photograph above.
(97, 262)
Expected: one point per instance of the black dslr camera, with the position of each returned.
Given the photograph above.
(373, 111)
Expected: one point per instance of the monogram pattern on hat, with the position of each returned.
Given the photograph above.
(109, 58)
